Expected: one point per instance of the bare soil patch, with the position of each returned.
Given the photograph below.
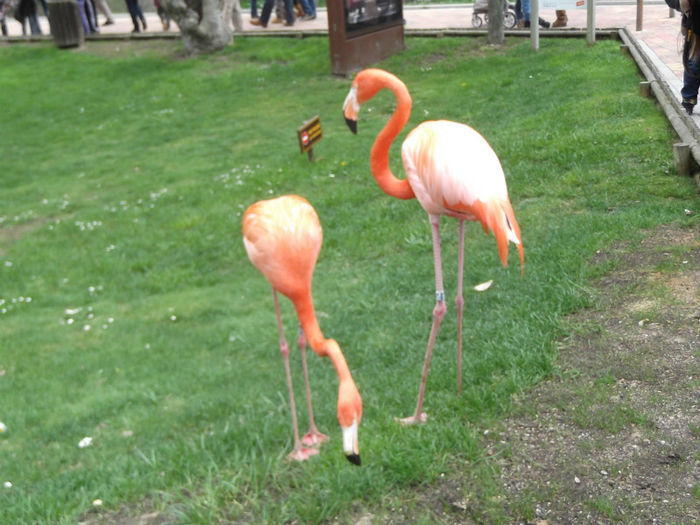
(615, 435)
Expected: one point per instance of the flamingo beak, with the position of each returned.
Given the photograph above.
(350, 444)
(350, 109)
(352, 124)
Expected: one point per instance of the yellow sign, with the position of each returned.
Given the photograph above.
(309, 134)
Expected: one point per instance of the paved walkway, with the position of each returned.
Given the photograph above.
(660, 33)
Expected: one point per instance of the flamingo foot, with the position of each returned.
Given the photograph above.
(302, 454)
(314, 438)
(413, 420)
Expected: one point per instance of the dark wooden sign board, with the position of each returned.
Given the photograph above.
(363, 32)
(309, 133)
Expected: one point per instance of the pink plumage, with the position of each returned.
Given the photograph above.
(452, 170)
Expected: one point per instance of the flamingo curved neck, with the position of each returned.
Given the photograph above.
(379, 156)
(319, 344)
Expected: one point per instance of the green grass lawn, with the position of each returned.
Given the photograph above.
(130, 312)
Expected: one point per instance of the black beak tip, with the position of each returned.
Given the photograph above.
(352, 124)
(354, 459)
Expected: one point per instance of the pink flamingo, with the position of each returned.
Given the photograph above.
(283, 237)
(451, 170)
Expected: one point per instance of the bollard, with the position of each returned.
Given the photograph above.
(682, 158)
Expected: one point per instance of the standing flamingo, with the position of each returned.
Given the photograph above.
(283, 238)
(451, 170)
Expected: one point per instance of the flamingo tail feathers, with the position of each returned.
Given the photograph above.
(501, 220)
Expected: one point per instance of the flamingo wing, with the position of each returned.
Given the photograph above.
(454, 171)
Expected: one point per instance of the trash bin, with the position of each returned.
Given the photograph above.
(66, 26)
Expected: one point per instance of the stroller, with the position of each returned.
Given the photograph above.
(481, 7)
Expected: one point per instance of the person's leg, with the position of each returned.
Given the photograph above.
(309, 9)
(132, 13)
(139, 13)
(289, 12)
(83, 18)
(34, 24)
(91, 17)
(264, 14)
(691, 83)
(525, 4)
(103, 8)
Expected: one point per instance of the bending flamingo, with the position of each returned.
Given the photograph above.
(451, 170)
(283, 238)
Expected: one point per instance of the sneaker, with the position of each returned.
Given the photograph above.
(257, 22)
(288, 24)
(688, 105)
(276, 20)
(308, 17)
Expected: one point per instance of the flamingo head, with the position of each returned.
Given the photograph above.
(349, 416)
(365, 85)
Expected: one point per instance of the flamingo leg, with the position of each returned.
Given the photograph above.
(300, 452)
(313, 437)
(438, 314)
(459, 303)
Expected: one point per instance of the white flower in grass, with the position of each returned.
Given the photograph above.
(7, 484)
(3, 427)
(8, 264)
(97, 503)
(85, 442)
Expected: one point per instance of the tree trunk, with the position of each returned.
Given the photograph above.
(205, 25)
(496, 35)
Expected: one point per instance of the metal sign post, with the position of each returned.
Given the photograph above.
(534, 25)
